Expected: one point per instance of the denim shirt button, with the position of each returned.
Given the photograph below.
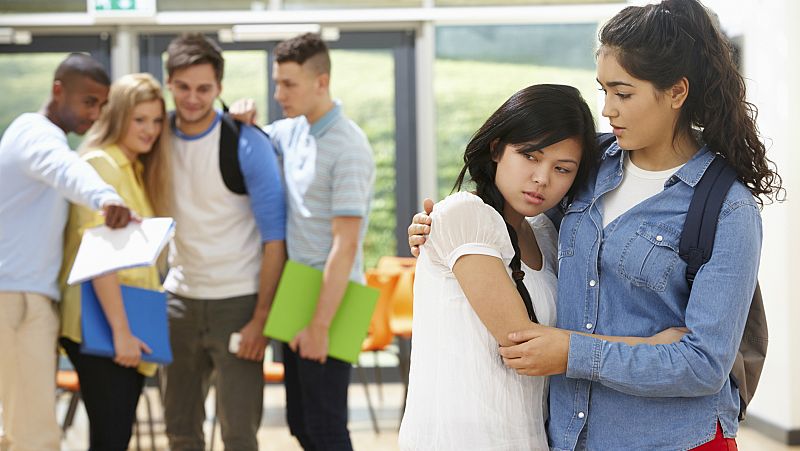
(589, 326)
(581, 414)
(592, 283)
(659, 238)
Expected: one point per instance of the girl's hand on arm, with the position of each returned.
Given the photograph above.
(420, 227)
(544, 351)
(537, 351)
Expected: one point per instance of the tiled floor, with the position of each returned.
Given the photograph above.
(274, 435)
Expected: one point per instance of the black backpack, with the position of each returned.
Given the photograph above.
(696, 245)
(228, 152)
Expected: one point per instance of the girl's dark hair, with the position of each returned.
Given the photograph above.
(541, 115)
(665, 42)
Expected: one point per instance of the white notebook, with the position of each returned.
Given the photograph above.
(104, 250)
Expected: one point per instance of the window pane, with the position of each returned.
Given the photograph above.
(336, 4)
(477, 68)
(43, 6)
(211, 5)
(518, 2)
(364, 82)
(27, 81)
(246, 76)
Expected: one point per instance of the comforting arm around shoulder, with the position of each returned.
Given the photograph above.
(470, 238)
(262, 177)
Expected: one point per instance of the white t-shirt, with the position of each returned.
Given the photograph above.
(637, 185)
(460, 395)
(215, 253)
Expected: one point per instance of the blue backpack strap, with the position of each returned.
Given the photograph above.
(700, 226)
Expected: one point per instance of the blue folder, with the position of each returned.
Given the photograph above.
(147, 319)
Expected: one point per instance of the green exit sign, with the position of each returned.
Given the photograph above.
(115, 5)
(121, 9)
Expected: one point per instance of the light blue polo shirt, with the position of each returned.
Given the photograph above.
(329, 172)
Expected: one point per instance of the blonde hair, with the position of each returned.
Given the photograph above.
(112, 125)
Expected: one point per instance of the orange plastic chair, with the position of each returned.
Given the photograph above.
(67, 382)
(380, 333)
(389, 262)
(273, 372)
(403, 305)
(402, 313)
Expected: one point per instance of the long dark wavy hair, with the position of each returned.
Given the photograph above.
(662, 43)
(540, 115)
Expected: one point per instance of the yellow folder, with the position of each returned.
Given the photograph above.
(296, 301)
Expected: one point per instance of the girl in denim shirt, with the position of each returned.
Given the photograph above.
(676, 101)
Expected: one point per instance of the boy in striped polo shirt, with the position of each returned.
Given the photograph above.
(329, 173)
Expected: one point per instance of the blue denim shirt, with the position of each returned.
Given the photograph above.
(629, 280)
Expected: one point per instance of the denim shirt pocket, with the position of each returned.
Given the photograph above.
(650, 256)
(573, 216)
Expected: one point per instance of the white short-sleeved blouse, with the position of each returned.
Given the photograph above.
(460, 394)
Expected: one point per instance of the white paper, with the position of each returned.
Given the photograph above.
(104, 250)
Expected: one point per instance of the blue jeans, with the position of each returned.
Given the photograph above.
(316, 402)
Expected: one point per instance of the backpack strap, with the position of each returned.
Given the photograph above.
(700, 226)
(697, 243)
(171, 118)
(228, 151)
(229, 154)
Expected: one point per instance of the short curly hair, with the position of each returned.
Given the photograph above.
(308, 47)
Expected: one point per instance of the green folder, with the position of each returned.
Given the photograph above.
(296, 301)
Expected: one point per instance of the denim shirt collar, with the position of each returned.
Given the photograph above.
(690, 173)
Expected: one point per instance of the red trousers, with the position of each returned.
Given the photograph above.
(719, 443)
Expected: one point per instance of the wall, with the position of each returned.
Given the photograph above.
(771, 41)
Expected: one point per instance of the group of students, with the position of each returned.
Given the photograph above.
(578, 329)
(307, 185)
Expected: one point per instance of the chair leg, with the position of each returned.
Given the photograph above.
(71, 409)
(369, 400)
(378, 377)
(213, 431)
(150, 423)
(136, 429)
(405, 364)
